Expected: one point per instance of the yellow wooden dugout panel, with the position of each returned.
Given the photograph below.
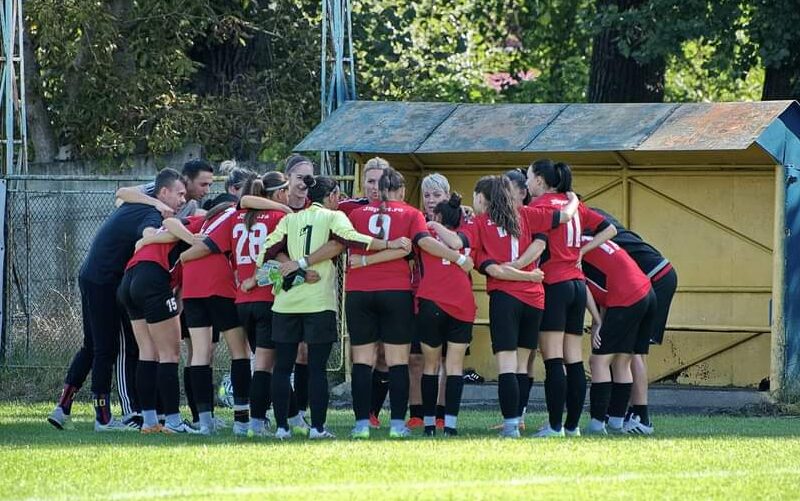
(692, 180)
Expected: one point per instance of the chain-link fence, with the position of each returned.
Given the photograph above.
(50, 225)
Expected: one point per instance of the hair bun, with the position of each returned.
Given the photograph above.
(455, 200)
(309, 181)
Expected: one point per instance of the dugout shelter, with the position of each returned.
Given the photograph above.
(711, 185)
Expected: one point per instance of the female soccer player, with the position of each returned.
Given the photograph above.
(446, 312)
(565, 296)
(209, 290)
(628, 309)
(245, 237)
(379, 303)
(307, 312)
(147, 293)
(516, 297)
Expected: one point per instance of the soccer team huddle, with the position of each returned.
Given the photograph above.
(162, 269)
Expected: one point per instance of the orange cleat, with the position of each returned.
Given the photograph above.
(374, 422)
(415, 422)
(440, 424)
(151, 429)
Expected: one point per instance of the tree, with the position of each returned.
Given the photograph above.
(774, 31)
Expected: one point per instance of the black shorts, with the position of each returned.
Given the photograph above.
(512, 323)
(185, 330)
(664, 288)
(311, 328)
(146, 293)
(386, 316)
(436, 327)
(627, 329)
(564, 307)
(216, 311)
(256, 319)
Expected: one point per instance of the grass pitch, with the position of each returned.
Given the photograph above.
(690, 457)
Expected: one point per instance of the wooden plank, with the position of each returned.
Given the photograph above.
(713, 126)
(490, 127)
(601, 127)
(377, 127)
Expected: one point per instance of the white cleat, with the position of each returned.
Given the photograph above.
(114, 425)
(59, 420)
(283, 434)
(548, 432)
(180, 429)
(572, 433)
(240, 429)
(634, 426)
(320, 435)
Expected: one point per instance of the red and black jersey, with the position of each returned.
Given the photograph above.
(613, 276)
(166, 255)
(349, 205)
(398, 220)
(243, 245)
(446, 284)
(493, 245)
(211, 275)
(559, 261)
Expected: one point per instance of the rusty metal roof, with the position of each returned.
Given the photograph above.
(430, 129)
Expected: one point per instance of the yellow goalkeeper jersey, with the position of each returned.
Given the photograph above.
(300, 234)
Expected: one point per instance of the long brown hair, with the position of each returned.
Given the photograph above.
(391, 180)
(500, 203)
(266, 186)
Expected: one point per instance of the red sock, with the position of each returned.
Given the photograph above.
(67, 396)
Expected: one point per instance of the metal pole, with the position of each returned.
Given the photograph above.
(8, 22)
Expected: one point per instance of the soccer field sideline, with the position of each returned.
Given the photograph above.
(692, 456)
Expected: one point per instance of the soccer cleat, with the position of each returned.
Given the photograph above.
(509, 433)
(573, 433)
(634, 426)
(499, 426)
(60, 420)
(299, 425)
(430, 431)
(450, 432)
(403, 432)
(472, 377)
(283, 434)
(240, 429)
(179, 429)
(113, 425)
(414, 423)
(259, 433)
(548, 432)
(313, 434)
(374, 422)
(595, 431)
(360, 433)
(440, 423)
(220, 424)
(134, 422)
(150, 430)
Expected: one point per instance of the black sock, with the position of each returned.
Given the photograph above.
(212, 390)
(380, 388)
(398, 389)
(439, 408)
(189, 390)
(523, 381)
(202, 388)
(576, 394)
(146, 381)
(292, 409)
(418, 411)
(508, 393)
(285, 355)
(318, 354)
(620, 396)
(429, 387)
(641, 411)
(260, 393)
(454, 387)
(361, 387)
(555, 391)
(301, 385)
(240, 380)
(599, 397)
(169, 387)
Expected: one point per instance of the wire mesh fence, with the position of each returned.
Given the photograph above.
(50, 224)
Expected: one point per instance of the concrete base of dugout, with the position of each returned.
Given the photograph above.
(663, 398)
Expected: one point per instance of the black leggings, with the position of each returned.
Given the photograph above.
(285, 355)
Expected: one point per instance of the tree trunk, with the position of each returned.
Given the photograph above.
(40, 128)
(783, 83)
(614, 78)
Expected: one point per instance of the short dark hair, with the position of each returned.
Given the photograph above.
(166, 178)
(238, 177)
(320, 187)
(192, 168)
(294, 160)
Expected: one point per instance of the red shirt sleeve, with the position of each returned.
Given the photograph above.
(591, 219)
(541, 219)
(221, 234)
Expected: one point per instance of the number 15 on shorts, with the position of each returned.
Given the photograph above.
(172, 305)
